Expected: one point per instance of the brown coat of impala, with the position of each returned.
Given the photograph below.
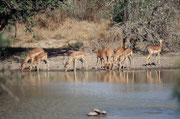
(102, 56)
(128, 53)
(109, 53)
(117, 55)
(154, 50)
(31, 55)
(77, 55)
(41, 57)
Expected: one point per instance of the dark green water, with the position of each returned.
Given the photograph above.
(58, 95)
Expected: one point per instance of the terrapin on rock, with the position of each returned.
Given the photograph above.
(96, 110)
(103, 112)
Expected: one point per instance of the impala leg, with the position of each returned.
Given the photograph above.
(47, 65)
(38, 65)
(159, 58)
(132, 59)
(85, 63)
(22, 66)
(82, 61)
(113, 65)
(66, 69)
(110, 66)
(119, 63)
(101, 60)
(148, 59)
(156, 58)
(130, 63)
(30, 66)
(97, 62)
(114, 62)
(105, 66)
(74, 64)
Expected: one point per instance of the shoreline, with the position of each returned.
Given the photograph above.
(168, 61)
(94, 70)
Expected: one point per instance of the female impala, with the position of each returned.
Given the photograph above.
(109, 53)
(102, 56)
(41, 57)
(73, 57)
(128, 53)
(154, 50)
(33, 53)
(117, 55)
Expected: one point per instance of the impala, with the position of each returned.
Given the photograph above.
(117, 55)
(31, 55)
(41, 57)
(154, 50)
(128, 53)
(102, 56)
(109, 53)
(73, 57)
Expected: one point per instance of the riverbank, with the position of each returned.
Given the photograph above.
(168, 61)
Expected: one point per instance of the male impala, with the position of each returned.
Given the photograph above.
(33, 53)
(128, 53)
(154, 50)
(73, 57)
(41, 57)
(117, 55)
(102, 56)
(109, 53)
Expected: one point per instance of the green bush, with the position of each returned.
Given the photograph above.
(76, 45)
(12, 11)
(119, 10)
(4, 40)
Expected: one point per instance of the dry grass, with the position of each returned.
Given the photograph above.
(67, 29)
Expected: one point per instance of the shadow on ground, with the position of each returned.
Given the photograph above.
(52, 52)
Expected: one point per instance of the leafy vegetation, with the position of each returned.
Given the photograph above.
(76, 45)
(4, 42)
(142, 21)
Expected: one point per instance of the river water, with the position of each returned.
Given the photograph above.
(142, 94)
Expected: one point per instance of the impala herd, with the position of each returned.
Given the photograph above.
(108, 58)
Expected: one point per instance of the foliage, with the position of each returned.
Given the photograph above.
(145, 22)
(84, 9)
(76, 45)
(4, 42)
(142, 21)
(23, 10)
(36, 37)
(120, 10)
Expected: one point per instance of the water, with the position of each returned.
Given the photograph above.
(58, 95)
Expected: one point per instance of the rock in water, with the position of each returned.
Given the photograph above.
(92, 114)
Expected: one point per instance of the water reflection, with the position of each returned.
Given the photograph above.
(124, 94)
(176, 91)
(76, 77)
(122, 77)
(4, 89)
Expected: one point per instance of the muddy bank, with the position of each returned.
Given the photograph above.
(57, 62)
